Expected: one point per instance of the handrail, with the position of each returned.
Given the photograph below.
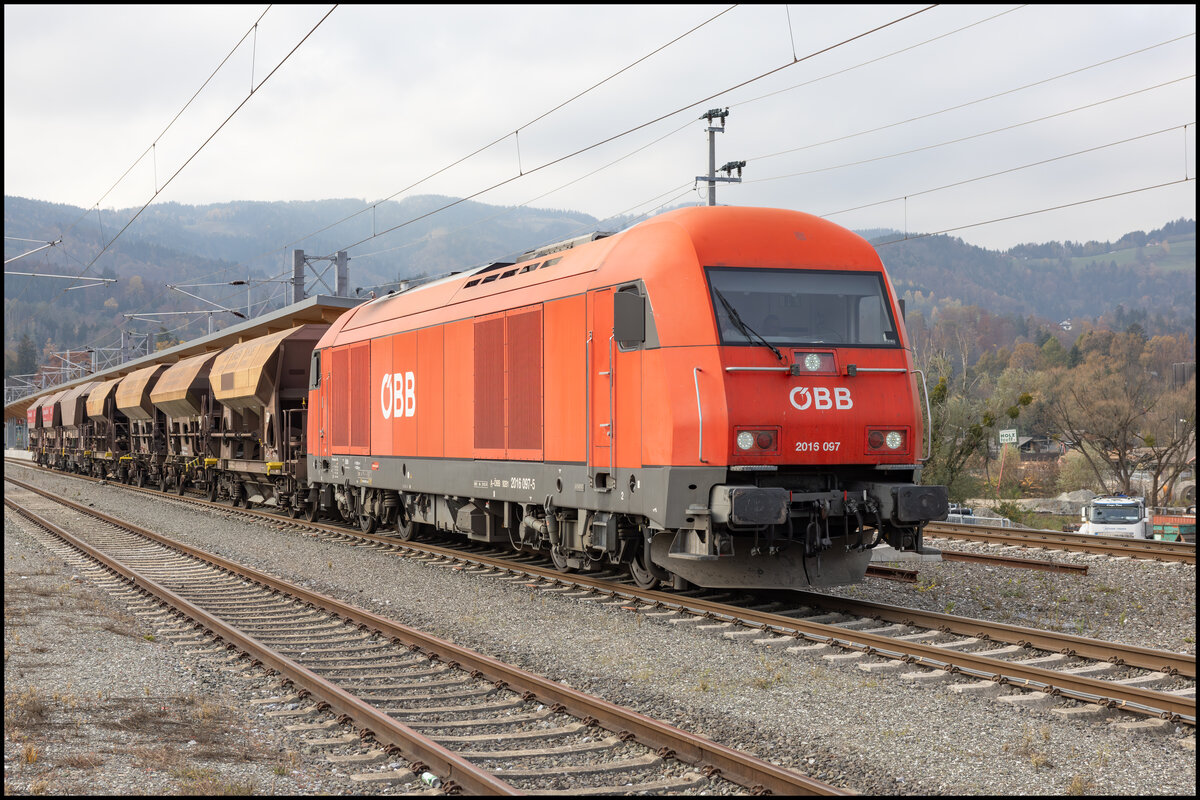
(699, 411)
(928, 416)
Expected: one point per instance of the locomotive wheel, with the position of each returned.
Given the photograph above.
(560, 561)
(367, 523)
(643, 578)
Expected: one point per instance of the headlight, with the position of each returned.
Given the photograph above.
(894, 440)
(745, 440)
(813, 363)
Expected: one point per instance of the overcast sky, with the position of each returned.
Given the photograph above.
(379, 98)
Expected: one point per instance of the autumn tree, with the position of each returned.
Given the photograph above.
(1122, 415)
(968, 410)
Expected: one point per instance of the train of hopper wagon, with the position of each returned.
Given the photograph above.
(718, 396)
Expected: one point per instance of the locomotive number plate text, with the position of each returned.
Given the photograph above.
(817, 447)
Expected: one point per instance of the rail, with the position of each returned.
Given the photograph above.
(732, 764)
(1077, 542)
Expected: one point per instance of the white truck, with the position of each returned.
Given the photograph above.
(1116, 516)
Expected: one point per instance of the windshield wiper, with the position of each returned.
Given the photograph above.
(749, 332)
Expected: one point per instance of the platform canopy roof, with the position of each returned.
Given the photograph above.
(313, 310)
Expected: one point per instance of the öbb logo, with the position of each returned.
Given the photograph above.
(398, 395)
(821, 398)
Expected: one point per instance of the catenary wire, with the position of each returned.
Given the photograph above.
(975, 135)
(1009, 170)
(971, 102)
(497, 141)
(909, 237)
(174, 119)
(240, 105)
(628, 131)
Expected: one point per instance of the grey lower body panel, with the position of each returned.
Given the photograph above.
(662, 495)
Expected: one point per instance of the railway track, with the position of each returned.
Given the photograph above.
(1051, 665)
(461, 719)
(1077, 542)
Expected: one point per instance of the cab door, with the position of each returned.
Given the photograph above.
(600, 389)
(320, 436)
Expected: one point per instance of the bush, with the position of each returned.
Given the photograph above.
(1074, 473)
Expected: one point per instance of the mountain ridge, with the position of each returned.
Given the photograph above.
(1151, 274)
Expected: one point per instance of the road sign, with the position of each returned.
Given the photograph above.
(1008, 436)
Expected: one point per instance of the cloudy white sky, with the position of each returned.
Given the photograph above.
(377, 99)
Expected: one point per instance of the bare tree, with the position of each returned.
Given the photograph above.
(1169, 440)
(1126, 413)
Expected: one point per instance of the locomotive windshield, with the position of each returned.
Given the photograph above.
(787, 307)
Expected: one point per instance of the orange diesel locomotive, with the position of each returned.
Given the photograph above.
(722, 396)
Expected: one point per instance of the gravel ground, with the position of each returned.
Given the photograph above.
(868, 733)
(1145, 603)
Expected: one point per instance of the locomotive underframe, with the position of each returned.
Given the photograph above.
(708, 525)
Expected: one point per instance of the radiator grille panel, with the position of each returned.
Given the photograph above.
(489, 384)
(341, 398)
(525, 381)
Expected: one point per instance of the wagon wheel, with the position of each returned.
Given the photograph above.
(311, 511)
(180, 483)
(295, 507)
(139, 479)
(210, 491)
(560, 560)
(367, 522)
(236, 495)
(643, 577)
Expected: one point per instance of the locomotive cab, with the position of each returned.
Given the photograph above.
(805, 399)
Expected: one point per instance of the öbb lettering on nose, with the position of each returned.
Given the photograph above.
(821, 398)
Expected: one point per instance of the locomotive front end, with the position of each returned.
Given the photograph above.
(821, 426)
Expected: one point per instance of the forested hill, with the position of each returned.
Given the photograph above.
(1152, 275)
(1143, 277)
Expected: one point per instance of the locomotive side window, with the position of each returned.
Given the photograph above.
(629, 318)
(786, 307)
